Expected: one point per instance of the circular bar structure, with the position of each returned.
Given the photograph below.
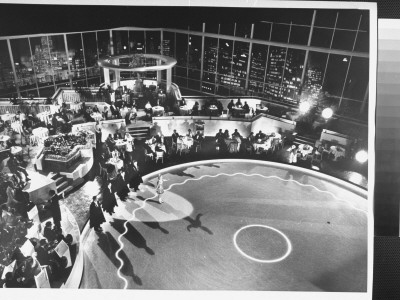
(168, 63)
(113, 63)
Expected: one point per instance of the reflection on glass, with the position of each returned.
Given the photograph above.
(153, 42)
(292, 75)
(103, 43)
(7, 85)
(273, 79)
(75, 56)
(23, 63)
(136, 42)
(335, 74)
(169, 44)
(210, 54)
(194, 59)
(41, 47)
(120, 41)
(59, 60)
(181, 49)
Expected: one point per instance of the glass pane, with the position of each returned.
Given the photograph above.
(321, 37)
(136, 42)
(181, 82)
(169, 44)
(343, 40)
(256, 86)
(258, 63)
(212, 27)
(314, 75)
(299, 35)
(292, 74)
(181, 71)
(46, 92)
(207, 88)
(75, 56)
(153, 42)
(262, 30)
(23, 63)
(348, 19)
(29, 93)
(276, 62)
(196, 26)
(41, 58)
(325, 18)
(194, 85)
(59, 58)
(225, 56)
(362, 43)
(94, 81)
(364, 25)
(243, 30)
(89, 43)
(7, 84)
(194, 74)
(181, 49)
(103, 43)
(240, 61)
(120, 40)
(280, 33)
(194, 52)
(210, 54)
(335, 74)
(209, 77)
(226, 28)
(350, 108)
(357, 79)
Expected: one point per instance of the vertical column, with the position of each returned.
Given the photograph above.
(117, 74)
(111, 43)
(13, 68)
(307, 51)
(169, 77)
(68, 63)
(158, 72)
(202, 57)
(249, 58)
(106, 77)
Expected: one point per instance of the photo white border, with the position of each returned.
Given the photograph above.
(122, 294)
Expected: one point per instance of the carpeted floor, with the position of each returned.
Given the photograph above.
(315, 230)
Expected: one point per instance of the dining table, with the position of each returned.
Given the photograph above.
(7, 117)
(40, 134)
(185, 110)
(158, 111)
(97, 116)
(305, 150)
(45, 117)
(262, 144)
(337, 152)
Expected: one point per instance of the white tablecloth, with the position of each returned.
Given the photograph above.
(185, 141)
(120, 144)
(16, 150)
(118, 163)
(337, 152)
(4, 138)
(305, 150)
(75, 106)
(7, 117)
(153, 147)
(184, 110)
(17, 126)
(158, 111)
(97, 116)
(44, 117)
(40, 134)
(265, 145)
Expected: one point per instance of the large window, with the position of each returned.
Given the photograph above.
(194, 57)
(120, 41)
(59, 60)
(181, 49)
(23, 64)
(240, 62)
(169, 43)
(273, 79)
(7, 85)
(153, 42)
(103, 43)
(41, 47)
(292, 75)
(314, 75)
(257, 67)
(335, 74)
(76, 57)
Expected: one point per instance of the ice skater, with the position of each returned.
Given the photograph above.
(160, 187)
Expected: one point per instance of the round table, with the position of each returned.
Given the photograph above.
(97, 116)
(305, 150)
(40, 134)
(187, 141)
(338, 152)
(184, 110)
(213, 110)
(16, 150)
(44, 117)
(158, 111)
(75, 106)
(4, 138)
(7, 117)
(263, 110)
(17, 126)
(118, 163)
(120, 144)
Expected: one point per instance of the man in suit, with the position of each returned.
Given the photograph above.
(260, 136)
(55, 208)
(105, 113)
(175, 136)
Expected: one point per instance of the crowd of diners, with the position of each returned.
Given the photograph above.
(214, 104)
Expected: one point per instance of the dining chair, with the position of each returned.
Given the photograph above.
(159, 156)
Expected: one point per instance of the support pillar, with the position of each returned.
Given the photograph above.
(169, 79)
(117, 78)
(106, 77)
(159, 72)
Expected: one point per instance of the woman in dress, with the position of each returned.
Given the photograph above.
(109, 201)
(96, 217)
(160, 187)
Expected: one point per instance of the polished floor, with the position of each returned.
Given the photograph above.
(233, 226)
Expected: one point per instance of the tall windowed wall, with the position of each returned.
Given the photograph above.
(320, 56)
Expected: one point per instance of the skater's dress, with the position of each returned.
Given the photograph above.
(160, 187)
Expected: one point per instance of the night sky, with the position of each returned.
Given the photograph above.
(17, 19)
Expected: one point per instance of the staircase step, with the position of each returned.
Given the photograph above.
(62, 186)
(53, 175)
(65, 191)
(58, 180)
